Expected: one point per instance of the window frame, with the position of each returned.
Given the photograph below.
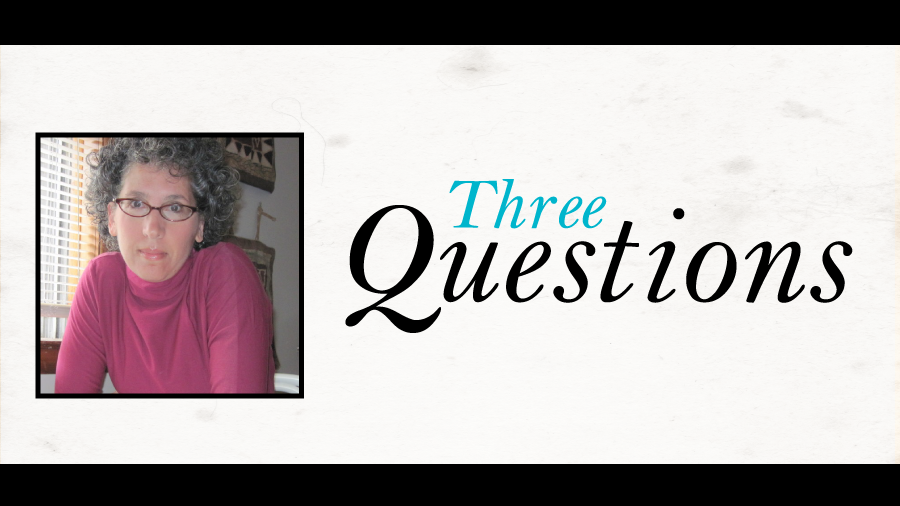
(67, 238)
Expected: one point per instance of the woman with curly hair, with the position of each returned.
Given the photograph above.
(170, 308)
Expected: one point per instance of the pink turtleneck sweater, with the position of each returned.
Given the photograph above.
(208, 329)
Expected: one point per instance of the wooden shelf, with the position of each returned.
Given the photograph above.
(49, 355)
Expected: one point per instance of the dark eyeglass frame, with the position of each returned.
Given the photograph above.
(119, 203)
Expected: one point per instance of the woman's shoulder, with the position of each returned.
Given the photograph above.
(105, 263)
(103, 272)
(226, 268)
(224, 259)
(222, 252)
(110, 257)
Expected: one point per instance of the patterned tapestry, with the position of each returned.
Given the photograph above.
(254, 159)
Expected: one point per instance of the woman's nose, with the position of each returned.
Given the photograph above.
(154, 224)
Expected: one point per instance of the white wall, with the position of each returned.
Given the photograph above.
(48, 384)
(283, 235)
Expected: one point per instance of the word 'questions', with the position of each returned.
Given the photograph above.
(425, 247)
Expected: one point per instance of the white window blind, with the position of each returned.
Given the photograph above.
(68, 239)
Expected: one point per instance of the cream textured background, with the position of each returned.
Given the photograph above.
(754, 143)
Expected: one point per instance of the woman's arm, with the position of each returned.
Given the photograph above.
(239, 326)
(81, 366)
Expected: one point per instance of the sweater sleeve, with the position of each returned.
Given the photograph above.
(81, 366)
(239, 326)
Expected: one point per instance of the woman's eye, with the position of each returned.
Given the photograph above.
(136, 204)
(175, 208)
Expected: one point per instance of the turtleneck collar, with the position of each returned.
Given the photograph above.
(163, 291)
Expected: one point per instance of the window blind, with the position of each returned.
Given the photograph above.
(68, 239)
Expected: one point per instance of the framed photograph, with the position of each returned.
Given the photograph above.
(254, 159)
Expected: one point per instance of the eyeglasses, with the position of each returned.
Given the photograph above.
(170, 212)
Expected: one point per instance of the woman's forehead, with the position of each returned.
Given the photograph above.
(147, 181)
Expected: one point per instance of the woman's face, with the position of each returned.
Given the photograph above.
(154, 248)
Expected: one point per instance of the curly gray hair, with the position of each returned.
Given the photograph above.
(201, 160)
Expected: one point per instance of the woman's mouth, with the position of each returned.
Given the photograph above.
(152, 254)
